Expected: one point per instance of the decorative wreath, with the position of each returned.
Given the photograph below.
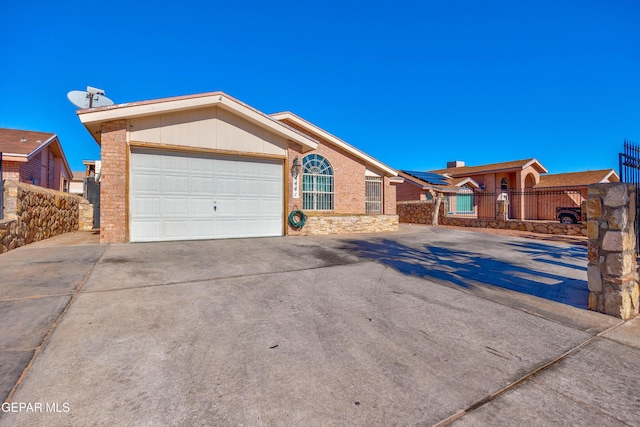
(297, 223)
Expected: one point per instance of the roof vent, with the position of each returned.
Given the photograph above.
(455, 164)
(23, 139)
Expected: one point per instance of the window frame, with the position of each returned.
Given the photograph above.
(318, 183)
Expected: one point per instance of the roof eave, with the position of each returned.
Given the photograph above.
(94, 117)
(334, 140)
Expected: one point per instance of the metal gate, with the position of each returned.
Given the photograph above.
(630, 173)
(373, 195)
(92, 194)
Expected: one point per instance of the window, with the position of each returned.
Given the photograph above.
(504, 184)
(317, 183)
(373, 195)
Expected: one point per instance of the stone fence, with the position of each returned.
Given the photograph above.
(319, 223)
(421, 212)
(33, 213)
(612, 270)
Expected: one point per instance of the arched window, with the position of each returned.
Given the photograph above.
(504, 184)
(317, 183)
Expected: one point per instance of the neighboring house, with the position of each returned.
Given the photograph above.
(34, 157)
(77, 183)
(209, 166)
(475, 190)
(500, 178)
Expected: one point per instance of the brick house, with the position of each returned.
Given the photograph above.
(209, 166)
(34, 157)
(473, 191)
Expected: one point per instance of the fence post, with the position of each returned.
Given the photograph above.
(502, 210)
(612, 270)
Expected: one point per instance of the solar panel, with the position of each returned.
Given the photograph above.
(430, 177)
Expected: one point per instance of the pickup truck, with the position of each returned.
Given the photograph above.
(569, 215)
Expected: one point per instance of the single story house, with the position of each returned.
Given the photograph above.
(473, 191)
(208, 166)
(34, 157)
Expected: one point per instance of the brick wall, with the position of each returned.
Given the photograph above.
(407, 192)
(390, 196)
(113, 183)
(349, 181)
(11, 170)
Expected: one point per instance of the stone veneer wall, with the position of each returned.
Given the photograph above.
(33, 213)
(344, 224)
(421, 212)
(550, 227)
(612, 270)
(417, 212)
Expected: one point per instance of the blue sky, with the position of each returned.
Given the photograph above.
(412, 83)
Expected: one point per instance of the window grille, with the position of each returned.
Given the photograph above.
(317, 183)
(373, 195)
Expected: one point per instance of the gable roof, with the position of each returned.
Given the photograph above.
(92, 118)
(578, 178)
(23, 143)
(20, 145)
(493, 167)
(316, 131)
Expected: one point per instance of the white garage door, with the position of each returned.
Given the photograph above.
(186, 197)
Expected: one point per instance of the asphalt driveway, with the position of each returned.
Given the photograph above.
(417, 327)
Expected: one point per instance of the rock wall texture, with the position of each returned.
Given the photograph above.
(344, 224)
(421, 212)
(33, 213)
(612, 270)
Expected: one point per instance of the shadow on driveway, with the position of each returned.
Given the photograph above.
(531, 268)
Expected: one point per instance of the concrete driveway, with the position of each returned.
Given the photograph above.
(417, 327)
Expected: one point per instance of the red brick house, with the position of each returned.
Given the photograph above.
(34, 157)
(473, 191)
(209, 166)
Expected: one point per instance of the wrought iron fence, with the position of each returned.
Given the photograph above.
(535, 204)
(629, 161)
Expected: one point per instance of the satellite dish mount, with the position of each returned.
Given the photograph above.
(93, 97)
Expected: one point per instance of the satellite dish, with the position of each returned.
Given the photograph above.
(90, 98)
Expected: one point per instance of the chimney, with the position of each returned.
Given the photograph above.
(455, 164)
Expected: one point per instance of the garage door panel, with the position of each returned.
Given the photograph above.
(175, 207)
(147, 206)
(201, 166)
(173, 229)
(200, 207)
(148, 230)
(177, 184)
(175, 164)
(147, 182)
(248, 187)
(201, 229)
(173, 197)
(226, 186)
(201, 185)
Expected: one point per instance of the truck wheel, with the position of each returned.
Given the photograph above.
(567, 219)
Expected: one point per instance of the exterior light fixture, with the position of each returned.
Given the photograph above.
(295, 167)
